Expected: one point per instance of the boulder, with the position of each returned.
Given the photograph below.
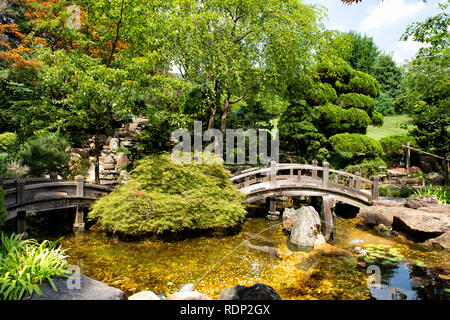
(441, 242)
(188, 295)
(435, 178)
(144, 295)
(388, 203)
(375, 215)
(306, 229)
(289, 218)
(114, 144)
(259, 291)
(422, 223)
(122, 160)
(89, 289)
(422, 201)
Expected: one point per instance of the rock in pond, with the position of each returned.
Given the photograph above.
(306, 229)
(258, 291)
(89, 289)
(441, 242)
(144, 295)
(289, 218)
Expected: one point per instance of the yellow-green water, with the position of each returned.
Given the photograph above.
(162, 266)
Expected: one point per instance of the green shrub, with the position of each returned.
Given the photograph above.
(357, 100)
(46, 154)
(3, 212)
(25, 263)
(393, 147)
(163, 196)
(385, 105)
(321, 93)
(358, 144)
(367, 168)
(365, 84)
(355, 121)
(377, 119)
(4, 162)
(7, 141)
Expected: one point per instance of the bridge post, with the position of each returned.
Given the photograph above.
(80, 186)
(20, 191)
(54, 177)
(314, 171)
(273, 174)
(375, 187)
(358, 182)
(326, 174)
(79, 215)
(21, 222)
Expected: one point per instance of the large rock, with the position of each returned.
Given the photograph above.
(424, 222)
(188, 295)
(89, 289)
(122, 160)
(306, 229)
(259, 291)
(435, 178)
(114, 144)
(441, 242)
(422, 201)
(289, 218)
(144, 295)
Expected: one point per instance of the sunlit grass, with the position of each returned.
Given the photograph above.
(391, 125)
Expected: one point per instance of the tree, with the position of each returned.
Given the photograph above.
(234, 47)
(428, 84)
(364, 52)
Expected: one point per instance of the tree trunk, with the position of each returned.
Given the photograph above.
(226, 108)
(97, 156)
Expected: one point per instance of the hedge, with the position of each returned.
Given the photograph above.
(358, 144)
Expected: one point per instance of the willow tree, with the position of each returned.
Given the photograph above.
(236, 46)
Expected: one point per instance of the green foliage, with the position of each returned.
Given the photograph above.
(377, 119)
(367, 168)
(155, 136)
(4, 162)
(385, 105)
(364, 52)
(403, 192)
(45, 154)
(358, 144)
(321, 93)
(390, 77)
(3, 212)
(357, 100)
(393, 147)
(440, 192)
(24, 264)
(164, 196)
(362, 83)
(7, 141)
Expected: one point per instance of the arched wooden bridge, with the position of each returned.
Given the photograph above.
(37, 195)
(287, 179)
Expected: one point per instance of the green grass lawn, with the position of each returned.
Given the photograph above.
(390, 126)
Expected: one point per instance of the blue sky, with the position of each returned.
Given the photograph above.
(384, 21)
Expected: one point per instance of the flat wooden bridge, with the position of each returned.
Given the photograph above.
(287, 179)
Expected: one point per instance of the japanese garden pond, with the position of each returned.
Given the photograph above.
(216, 261)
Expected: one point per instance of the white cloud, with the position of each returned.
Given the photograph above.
(388, 13)
(397, 58)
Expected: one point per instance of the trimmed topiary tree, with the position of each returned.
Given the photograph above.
(357, 144)
(377, 119)
(163, 196)
(357, 100)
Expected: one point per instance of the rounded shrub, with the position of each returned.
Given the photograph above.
(321, 93)
(364, 83)
(377, 119)
(358, 144)
(357, 100)
(355, 121)
(164, 196)
(393, 147)
(367, 168)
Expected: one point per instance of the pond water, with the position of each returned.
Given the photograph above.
(216, 262)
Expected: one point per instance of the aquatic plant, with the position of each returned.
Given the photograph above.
(25, 263)
(379, 254)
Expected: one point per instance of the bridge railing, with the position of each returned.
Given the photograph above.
(25, 192)
(321, 176)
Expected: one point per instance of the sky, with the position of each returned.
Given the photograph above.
(384, 21)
